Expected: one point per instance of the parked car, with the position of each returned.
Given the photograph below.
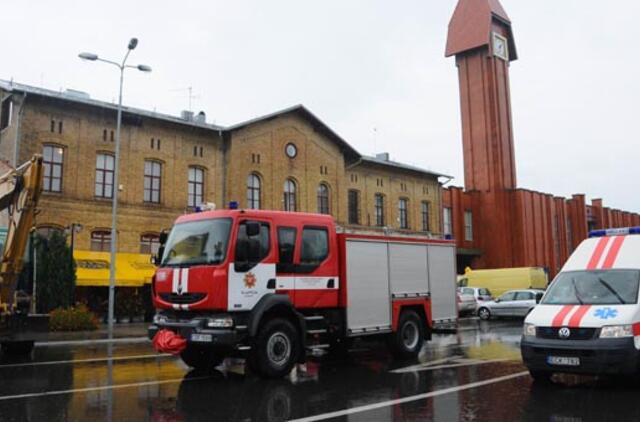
(467, 302)
(514, 303)
(481, 294)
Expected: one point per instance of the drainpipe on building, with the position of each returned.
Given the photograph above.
(440, 214)
(224, 169)
(16, 155)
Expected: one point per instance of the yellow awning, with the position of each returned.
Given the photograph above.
(132, 269)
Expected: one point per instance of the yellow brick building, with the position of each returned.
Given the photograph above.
(286, 160)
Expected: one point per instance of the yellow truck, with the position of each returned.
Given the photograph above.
(501, 280)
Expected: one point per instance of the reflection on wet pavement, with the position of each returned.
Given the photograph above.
(444, 384)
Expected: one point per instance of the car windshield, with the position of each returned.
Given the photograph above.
(606, 287)
(197, 242)
(484, 292)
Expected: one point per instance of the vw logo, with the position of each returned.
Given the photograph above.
(564, 332)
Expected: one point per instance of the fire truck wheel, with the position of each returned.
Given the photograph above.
(17, 348)
(200, 358)
(276, 349)
(407, 341)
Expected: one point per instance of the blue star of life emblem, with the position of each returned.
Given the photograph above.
(606, 313)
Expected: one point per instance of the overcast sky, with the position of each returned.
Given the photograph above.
(374, 71)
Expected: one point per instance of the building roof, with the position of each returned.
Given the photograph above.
(470, 26)
(299, 109)
(78, 97)
(401, 166)
(307, 115)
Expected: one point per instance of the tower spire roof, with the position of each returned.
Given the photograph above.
(471, 26)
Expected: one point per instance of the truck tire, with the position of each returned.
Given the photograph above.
(201, 359)
(276, 349)
(484, 313)
(407, 341)
(17, 348)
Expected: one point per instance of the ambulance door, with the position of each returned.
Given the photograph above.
(252, 274)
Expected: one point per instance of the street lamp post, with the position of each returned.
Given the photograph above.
(114, 207)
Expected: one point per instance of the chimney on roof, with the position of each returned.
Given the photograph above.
(384, 156)
(187, 115)
(201, 118)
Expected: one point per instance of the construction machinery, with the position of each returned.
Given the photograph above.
(20, 190)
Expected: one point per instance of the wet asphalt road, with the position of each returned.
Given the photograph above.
(475, 375)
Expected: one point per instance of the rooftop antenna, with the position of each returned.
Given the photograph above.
(192, 97)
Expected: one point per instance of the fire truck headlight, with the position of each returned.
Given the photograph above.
(225, 322)
(616, 331)
(529, 330)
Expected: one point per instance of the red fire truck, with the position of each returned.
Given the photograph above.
(270, 285)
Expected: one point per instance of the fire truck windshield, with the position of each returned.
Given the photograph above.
(197, 243)
(602, 287)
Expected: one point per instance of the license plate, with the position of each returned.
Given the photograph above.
(563, 361)
(202, 338)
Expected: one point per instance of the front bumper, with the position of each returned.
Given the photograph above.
(196, 332)
(597, 356)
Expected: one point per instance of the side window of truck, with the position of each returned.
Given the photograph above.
(286, 246)
(250, 250)
(314, 249)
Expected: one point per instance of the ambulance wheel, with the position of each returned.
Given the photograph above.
(276, 349)
(407, 341)
(484, 313)
(541, 377)
(201, 358)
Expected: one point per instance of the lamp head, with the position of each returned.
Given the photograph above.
(144, 68)
(133, 43)
(88, 56)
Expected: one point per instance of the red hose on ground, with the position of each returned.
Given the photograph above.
(166, 341)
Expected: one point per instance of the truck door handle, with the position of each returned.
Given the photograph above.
(330, 284)
(271, 284)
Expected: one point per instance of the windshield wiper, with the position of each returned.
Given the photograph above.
(612, 290)
(575, 290)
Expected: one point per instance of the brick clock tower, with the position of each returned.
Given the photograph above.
(481, 39)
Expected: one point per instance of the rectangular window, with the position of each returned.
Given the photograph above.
(5, 113)
(403, 213)
(149, 244)
(101, 241)
(315, 247)
(152, 181)
(196, 187)
(286, 246)
(251, 250)
(53, 157)
(379, 209)
(354, 207)
(468, 225)
(105, 165)
(425, 212)
(447, 221)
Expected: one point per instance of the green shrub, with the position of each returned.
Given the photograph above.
(56, 271)
(77, 318)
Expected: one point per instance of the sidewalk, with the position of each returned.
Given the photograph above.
(122, 333)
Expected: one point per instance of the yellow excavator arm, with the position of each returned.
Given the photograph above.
(20, 190)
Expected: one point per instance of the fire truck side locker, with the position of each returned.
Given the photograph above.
(442, 276)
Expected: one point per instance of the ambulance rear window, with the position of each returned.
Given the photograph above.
(606, 287)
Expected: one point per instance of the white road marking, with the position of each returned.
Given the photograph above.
(420, 368)
(416, 397)
(101, 388)
(90, 360)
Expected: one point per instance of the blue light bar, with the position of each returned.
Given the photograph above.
(622, 231)
(233, 205)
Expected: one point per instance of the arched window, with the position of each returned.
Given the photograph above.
(149, 243)
(403, 213)
(48, 230)
(323, 199)
(101, 240)
(152, 181)
(253, 191)
(53, 159)
(289, 195)
(105, 167)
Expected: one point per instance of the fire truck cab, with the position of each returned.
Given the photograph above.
(269, 285)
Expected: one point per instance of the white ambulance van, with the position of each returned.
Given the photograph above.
(588, 321)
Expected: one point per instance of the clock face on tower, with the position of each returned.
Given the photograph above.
(500, 47)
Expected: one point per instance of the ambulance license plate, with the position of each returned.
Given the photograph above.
(201, 338)
(563, 361)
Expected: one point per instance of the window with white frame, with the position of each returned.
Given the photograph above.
(195, 187)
